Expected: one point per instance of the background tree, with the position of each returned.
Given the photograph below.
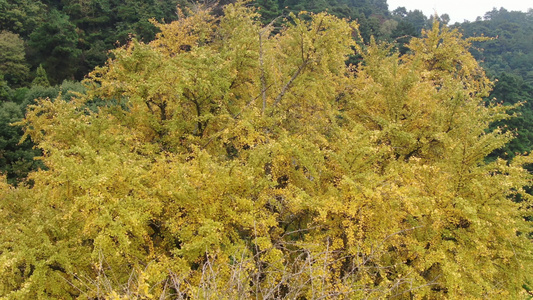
(54, 44)
(12, 61)
(507, 58)
(21, 16)
(16, 160)
(41, 79)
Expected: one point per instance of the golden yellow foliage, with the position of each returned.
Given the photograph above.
(229, 162)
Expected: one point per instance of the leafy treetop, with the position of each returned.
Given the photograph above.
(225, 145)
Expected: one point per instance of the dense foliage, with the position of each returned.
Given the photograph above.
(70, 38)
(230, 159)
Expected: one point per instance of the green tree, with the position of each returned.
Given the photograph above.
(5, 90)
(41, 78)
(54, 44)
(228, 162)
(16, 160)
(269, 10)
(12, 61)
(21, 16)
(511, 89)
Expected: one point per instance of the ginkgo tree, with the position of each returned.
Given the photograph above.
(226, 159)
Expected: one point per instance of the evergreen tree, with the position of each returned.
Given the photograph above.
(54, 44)
(12, 61)
(16, 159)
(41, 79)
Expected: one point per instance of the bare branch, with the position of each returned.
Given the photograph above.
(286, 87)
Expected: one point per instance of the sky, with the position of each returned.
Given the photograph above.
(460, 10)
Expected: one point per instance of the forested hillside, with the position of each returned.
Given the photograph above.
(262, 150)
(508, 58)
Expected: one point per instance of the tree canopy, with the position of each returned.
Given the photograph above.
(227, 159)
(12, 62)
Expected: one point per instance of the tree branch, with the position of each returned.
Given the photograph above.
(286, 87)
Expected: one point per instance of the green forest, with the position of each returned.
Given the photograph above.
(267, 149)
